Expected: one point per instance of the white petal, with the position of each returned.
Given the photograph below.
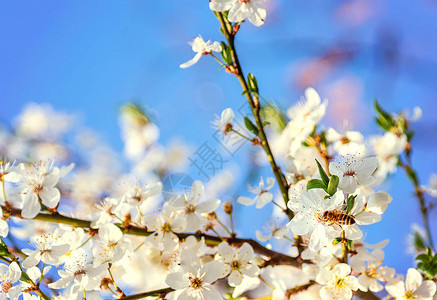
(192, 61)
(246, 200)
(221, 5)
(426, 289)
(31, 205)
(50, 196)
(177, 280)
(213, 270)
(207, 206)
(263, 199)
(353, 232)
(396, 290)
(414, 279)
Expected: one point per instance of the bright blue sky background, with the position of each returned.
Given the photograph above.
(90, 57)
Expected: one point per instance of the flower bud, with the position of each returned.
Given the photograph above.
(227, 207)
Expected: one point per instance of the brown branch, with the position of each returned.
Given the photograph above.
(275, 258)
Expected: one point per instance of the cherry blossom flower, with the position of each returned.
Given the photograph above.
(78, 275)
(304, 116)
(201, 47)
(262, 195)
(238, 262)
(338, 283)
(113, 245)
(224, 122)
(49, 249)
(194, 281)
(354, 171)
(413, 288)
(39, 182)
(241, 9)
(8, 276)
(8, 171)
(309, 218)
(349, 143)
(272, 231)
(107, 209)
(165, 227)
(192, 209)
(372, 273)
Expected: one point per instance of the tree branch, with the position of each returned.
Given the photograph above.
(256, 108)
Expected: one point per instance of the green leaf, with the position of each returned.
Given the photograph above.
(383, 124)
(252, 82)
(226, 53)
(265, 123)
(333, 184)
(24, 277)
(4, 250)
(382, 112)
(315, 184)
(350, 202)
(250, 126)
(419, 243)
(423, 257)
(322, 173)
(350, 243)
(249, 91)
(337, 240)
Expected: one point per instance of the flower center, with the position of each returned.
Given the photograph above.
(37, 188)
(166, 227)
(235, 265)
(195, 282)
(339, 283)
(244, 1)
(189, 209)
(371, 273)
(79, 272)
(349, 173)
(410, 295)
(6, 286)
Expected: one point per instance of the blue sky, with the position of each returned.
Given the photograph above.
(90, 57)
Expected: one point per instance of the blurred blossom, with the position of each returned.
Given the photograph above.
(40, 121)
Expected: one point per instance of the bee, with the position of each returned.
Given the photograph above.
(336, 217)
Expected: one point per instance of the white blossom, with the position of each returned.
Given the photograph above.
(413, 288)
(238, 262)
(192, 209)
(194, 281)
(354, 171)
(262, 195)
(49, 249)
(223, 122)
(338, 283)
(241, 9)
(8, 276)
(201, 48)
(78, 275)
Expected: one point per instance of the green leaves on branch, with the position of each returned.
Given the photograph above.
(332, 185)
(322, 173)
(315, 184)
(329, 185)
(384, 119)
(226, 53)
(4, 250)
(350, 202)
(252, 84)
(250, 126)
(428, 263)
